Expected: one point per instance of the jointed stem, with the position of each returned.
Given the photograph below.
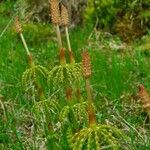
(88, 89)
(58, 36)
(68, 39)
(91, 112)
(25, 44)
(27, 49)
(31, 62)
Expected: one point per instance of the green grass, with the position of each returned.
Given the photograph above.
(115, 78)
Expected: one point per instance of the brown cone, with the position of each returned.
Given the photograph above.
(55, 12)
(86, 64)
(144, 96)
(64, 16)
(18, 27)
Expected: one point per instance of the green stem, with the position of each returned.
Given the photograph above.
(31, 62)
(27, 49)
(68, 39)
(25, 44)
(88, 90)
(58, 36)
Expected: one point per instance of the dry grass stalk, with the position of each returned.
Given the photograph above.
(145, 98)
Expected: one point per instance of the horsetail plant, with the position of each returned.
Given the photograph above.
(64, 74)
(45, 110)
(19, 30)
(65, 22)
(95, 136)
(29, 77)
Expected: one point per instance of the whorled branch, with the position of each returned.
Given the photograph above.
(64, 75)
(30, 77)
(78, 110)
(98, 136)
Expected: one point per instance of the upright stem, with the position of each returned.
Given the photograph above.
(62, 57)
(72, 60)
(88, 89)
(27, 49)
(58, 36)
(24, 44)
(31, 62)
(68, 39)
(91, 112)
(40, 91)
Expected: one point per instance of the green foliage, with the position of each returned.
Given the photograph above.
(37, 33)
(31, 74)
(65, 75)
(50, 104)
(104, 11)
(129, 19)
(77, 111)
(98, 137)
(5, 9)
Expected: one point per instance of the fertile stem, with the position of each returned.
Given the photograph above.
(68, 39)
(86, 64)
(24, 44)
(26, 48)
(59, 36)
(91, 112)
(88, 90)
